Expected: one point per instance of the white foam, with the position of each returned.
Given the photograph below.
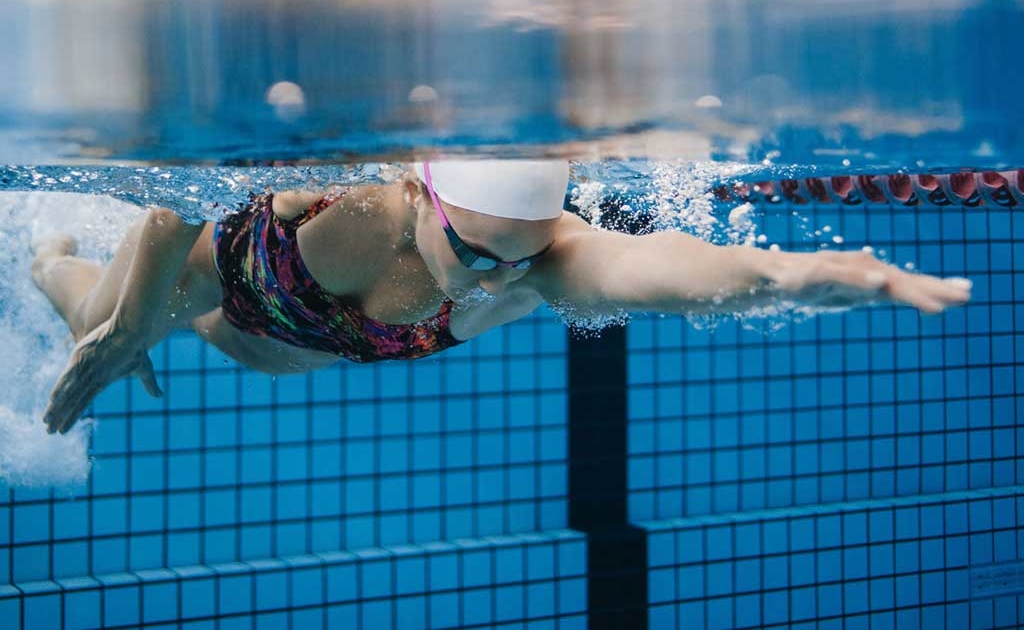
(36, 343)
(739, 217)
(681, 195)
(584, 323)
(29, 456)
(587, 196)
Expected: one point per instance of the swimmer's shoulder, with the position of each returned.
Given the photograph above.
(571, 229)
(356, 202)
(571, 224)
(289, 204)
(347, 245)
(578, 248)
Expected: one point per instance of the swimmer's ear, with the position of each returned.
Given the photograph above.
(412, 191)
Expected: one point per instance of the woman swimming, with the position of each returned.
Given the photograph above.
(297, 280)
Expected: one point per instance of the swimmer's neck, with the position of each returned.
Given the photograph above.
(401, 218)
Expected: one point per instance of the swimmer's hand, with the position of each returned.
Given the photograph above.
(100, 358)
(848, 279)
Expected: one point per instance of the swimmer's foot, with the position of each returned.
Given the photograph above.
(65, 279)
(57, 243)
(49, 252)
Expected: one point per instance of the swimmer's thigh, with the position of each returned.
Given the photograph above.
(196, 291)
(99, 303)
(259, 353)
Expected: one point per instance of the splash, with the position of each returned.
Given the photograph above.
(195, 193)
(587, 196)
(584, 324)
(682, 198)
(36, 342)
(668, 195)
(677, 195)
(29, 457)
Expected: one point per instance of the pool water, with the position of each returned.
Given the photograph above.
(872, 85)
(786, 469)
(847, 469)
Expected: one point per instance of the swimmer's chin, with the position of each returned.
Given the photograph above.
(469, 297)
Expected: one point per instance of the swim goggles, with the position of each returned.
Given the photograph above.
(466, 254)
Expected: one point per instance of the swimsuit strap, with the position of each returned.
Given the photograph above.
(318, 206)
(446, 307)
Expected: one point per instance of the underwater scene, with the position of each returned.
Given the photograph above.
(750, 363)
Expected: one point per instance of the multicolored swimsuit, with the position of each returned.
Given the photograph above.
(269, 292)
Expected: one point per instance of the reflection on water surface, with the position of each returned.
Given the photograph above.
(843, 83)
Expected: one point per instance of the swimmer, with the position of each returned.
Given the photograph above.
(297, 280)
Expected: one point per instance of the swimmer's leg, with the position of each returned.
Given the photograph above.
(85, 293)
(263, 354)
(65, 279)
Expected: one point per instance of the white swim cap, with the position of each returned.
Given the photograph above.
(532, 190)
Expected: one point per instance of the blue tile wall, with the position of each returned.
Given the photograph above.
(535, 580)
(903, 563)
(873, 403)
(233, 465)
(854, 471)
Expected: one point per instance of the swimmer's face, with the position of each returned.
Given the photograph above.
(498, 238)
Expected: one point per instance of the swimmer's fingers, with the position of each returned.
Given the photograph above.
(65, 394)
(100, 358)
(69, 414)
(928, 293)
(868, 281)
(147, 375)
(65, 408)
(71, 396)
(947, 290)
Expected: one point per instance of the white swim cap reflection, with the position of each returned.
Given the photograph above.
(532, 190)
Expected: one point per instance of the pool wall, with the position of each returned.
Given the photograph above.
(426, 494)
(853, 471)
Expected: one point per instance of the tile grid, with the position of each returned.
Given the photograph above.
(210, 488)
(883, 564)
(541, 580)
(947, 426)
(889, 462)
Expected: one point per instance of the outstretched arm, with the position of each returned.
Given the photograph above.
(600, 272)
(118, 346)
